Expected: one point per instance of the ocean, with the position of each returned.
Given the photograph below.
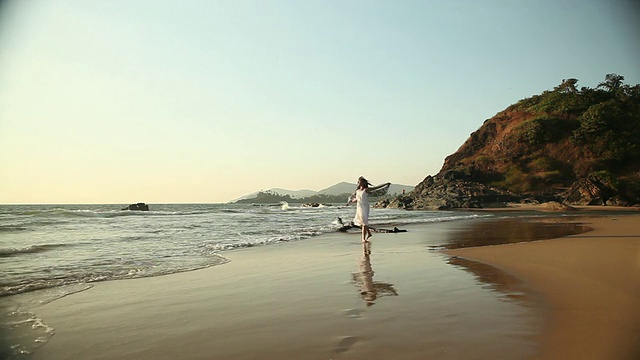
(51, 251)
(47, 246)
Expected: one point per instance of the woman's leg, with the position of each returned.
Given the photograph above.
(366, 233)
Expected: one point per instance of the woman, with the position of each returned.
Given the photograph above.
(361, 197)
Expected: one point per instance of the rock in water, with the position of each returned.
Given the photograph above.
(137, 207)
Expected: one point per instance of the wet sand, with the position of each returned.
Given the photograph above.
(590, 284)
(315, 299)
(324, 299)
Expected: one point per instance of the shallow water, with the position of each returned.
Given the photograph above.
(45, 246)
(59, 251)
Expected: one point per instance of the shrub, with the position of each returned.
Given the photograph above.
(541, 164)
(515, 180)
(544, 129)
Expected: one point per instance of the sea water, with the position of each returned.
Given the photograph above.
(51, 251)
(46, 246)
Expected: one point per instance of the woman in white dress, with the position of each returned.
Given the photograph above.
(361, 197)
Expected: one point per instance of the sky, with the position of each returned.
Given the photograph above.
(204, 101)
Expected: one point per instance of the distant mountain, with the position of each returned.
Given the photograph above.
(339, 189)
(349, 188)
(334, 193)
(296, 194)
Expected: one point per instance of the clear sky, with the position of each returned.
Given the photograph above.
(205, 101)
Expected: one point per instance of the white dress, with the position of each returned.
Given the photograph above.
(362, 210)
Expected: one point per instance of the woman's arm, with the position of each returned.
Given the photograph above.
(374, 188)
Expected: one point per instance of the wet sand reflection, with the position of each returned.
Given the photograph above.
(505, 231)
(495, 280)
(370, 290)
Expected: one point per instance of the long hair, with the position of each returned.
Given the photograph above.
(362, 182)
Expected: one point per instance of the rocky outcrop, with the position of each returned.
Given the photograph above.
(596, 190)
(441, 193)
(314, 204)
(574, 147)
(137, 207)
(588, 191)
(448, 192)
(556, 206)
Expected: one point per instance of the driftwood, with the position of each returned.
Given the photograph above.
(351, 225)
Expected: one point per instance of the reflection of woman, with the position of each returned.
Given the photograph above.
(361, 197)
(369, 289)
(365, 278)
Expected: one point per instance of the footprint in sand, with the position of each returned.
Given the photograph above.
(353, 313)
(345, 344)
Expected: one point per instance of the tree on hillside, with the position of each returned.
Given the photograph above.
(610, 128)
(611, 82)
(567, 86)
(598, 129)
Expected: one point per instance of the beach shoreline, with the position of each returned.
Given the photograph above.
(551, 207)
(590, 283)
(309, 300)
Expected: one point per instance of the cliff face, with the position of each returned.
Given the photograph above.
(578, 147)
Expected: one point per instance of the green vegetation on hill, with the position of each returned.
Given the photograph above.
(336, 194)
(605, 120)
(548, 141)
(270, 197)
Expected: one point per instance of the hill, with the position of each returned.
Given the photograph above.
(575, 146)
(349, 188)
(294, 194)
(338, 189)
(336, 194)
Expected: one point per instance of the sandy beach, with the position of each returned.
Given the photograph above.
(590, 283)
(572, 297)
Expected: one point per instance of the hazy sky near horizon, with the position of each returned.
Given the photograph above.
(205, 101)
